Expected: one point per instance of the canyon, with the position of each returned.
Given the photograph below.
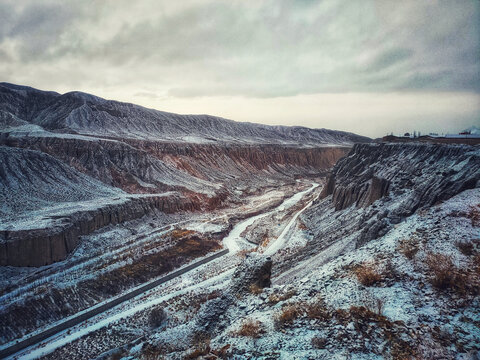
(59, 150)
(310, 243)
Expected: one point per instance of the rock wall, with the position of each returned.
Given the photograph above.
(372, 171)
(378, 185)
(137, 166)
(40, 247)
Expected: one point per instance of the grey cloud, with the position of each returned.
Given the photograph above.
(262, 49)
(389, 58)
(146, 94)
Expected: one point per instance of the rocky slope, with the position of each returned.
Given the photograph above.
(385, 264)
(46, 206)
(403, 178)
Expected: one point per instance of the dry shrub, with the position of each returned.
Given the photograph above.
(408, 247)
(222, 353)
(444, 275)
(250, 328)
(276, 298)
(301, 225)
(152, 352)
(367, 274)
(465, 247)
(319, 342)
(474, 215)
(201, 346)
(266, 240)
(379, 306)
(442, 270)
(180, 233)
(255, 289)
(157, 316)
(317, 310)
(286, 316)
(372, 303)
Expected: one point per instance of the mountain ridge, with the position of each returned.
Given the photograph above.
(87, 114)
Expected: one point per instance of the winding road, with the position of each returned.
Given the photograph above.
(76, 326)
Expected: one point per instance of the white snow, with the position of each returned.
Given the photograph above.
(274, 246)
(233, 239)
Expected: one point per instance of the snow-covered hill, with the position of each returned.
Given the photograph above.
(87, 114)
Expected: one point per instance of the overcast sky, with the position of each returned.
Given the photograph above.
(369, 67)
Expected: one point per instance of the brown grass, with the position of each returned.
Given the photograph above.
(151, 265)
(250, 328)
(301, 225)
(444, 275)
(408, 247)
(266, 240)
(367, 274)
(255, 289)
(276, 298)
(442, 270)
(243, 253)
(286, 316)
(201, 346)
(474, 215)
(181, 233)
(317, 310)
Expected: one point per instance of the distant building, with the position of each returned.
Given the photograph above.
(406, 135)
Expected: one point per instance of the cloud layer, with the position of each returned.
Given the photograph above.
(156, 52)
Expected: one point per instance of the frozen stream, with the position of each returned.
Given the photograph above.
(231, 242)
(282, 239)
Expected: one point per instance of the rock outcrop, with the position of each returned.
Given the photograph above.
(379, 185)
(253, 273)
(137, 166)
(428, 173)
(51, 243)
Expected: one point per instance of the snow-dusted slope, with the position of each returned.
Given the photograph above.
(88, 114)
(30, 180)
(376, 269)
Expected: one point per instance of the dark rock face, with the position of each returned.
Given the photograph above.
(254, 271)
(429, 173)
(38, 247)
(377, 185)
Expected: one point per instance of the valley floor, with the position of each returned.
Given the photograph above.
(119, 246)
